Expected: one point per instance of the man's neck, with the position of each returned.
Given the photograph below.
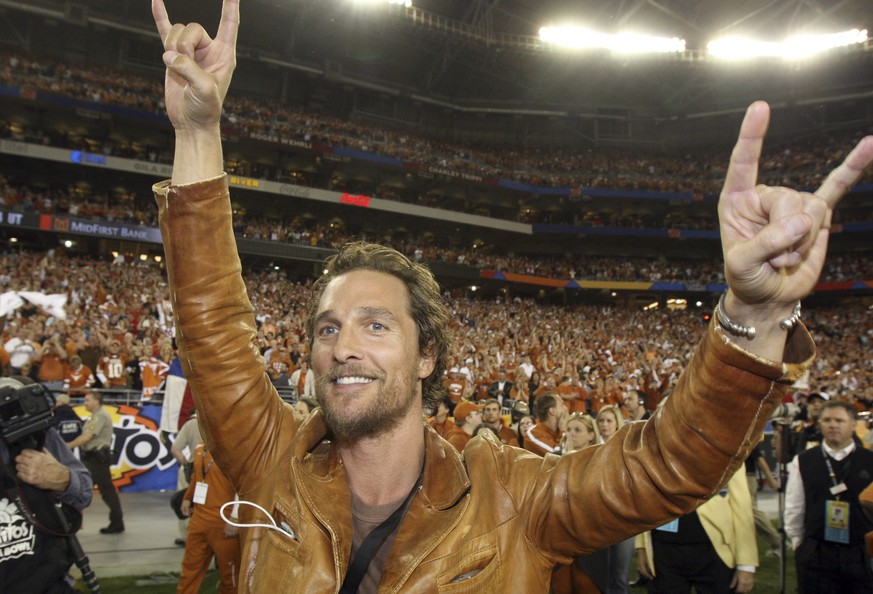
(551, 423)
(384, 468)
(837, 447)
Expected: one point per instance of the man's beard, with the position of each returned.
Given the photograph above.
(383, 413)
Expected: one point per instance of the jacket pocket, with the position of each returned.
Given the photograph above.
(280, 551)
(476, 571)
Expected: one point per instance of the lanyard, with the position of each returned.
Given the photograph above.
(203, 464)
(831, 472)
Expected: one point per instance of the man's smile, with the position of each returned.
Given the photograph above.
(353, 379)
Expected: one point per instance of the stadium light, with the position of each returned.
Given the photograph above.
(793, 48)
(573, 37)
(406, 3)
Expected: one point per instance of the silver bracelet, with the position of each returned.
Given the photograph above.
(731, 326)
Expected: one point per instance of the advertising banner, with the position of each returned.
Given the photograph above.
(140, 461)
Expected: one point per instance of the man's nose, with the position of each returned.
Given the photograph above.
(347, 345)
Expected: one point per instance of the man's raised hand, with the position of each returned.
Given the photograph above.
(199, 68)
(775, 239)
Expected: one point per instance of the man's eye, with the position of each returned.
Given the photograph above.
(326, 330)
(377, 326)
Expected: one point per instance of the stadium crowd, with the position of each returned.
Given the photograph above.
(138, 209)
(261, 119)
(604, 351)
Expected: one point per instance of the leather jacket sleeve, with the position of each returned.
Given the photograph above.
(656, 470)
(216, 332)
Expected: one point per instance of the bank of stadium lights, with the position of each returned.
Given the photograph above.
(573, 37)
(803, 46)
(736, 48)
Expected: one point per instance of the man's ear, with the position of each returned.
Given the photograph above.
(427, 362)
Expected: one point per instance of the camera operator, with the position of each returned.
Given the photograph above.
(35, 555)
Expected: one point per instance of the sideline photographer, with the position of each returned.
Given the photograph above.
(40, 476)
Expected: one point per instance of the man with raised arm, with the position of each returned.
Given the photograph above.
(364, 495)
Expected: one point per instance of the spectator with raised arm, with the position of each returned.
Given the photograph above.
(396, 508)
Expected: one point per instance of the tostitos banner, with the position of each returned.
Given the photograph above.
(140, 461)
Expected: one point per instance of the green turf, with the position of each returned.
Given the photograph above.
(154, 584)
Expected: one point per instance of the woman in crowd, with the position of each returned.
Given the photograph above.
(581, 433)
(609, 420)
(524, 423)
(579, 577)
(533, 384)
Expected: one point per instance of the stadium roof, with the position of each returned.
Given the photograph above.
(478, 54)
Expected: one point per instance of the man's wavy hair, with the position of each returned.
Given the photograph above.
(430, 315)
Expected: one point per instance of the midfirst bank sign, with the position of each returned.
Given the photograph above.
(101, 229)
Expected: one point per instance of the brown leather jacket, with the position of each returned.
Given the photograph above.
(499, 514)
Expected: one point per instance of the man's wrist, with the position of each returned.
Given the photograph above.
(198, 155)
(764, 318)
(59, 480)
(768, 341)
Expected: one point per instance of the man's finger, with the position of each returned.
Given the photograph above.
(162, 19)
(742, 172)
(191, 39)
(844, 177)
(776, 239)
(186, 68)
(229, 24)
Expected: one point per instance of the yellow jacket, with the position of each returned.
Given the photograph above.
(728, 522)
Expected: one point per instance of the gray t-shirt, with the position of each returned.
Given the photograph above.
(188, 438)
(365, 518)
